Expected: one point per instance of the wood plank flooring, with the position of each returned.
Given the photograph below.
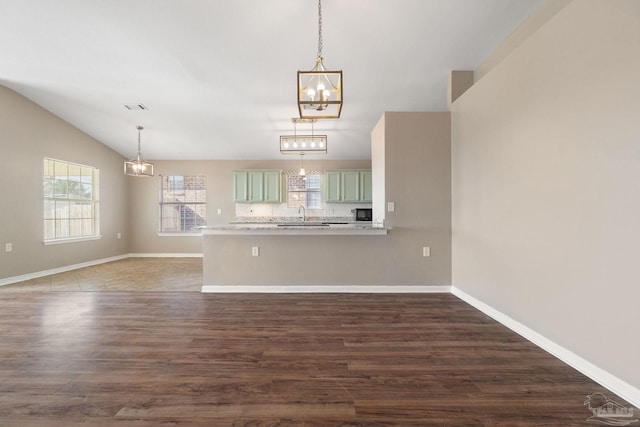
(144, 359)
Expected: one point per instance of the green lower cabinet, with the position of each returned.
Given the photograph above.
(347, 186)
(257, 186)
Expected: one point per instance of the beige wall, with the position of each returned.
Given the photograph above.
(29, 133)
(418, 181)
(546, 184)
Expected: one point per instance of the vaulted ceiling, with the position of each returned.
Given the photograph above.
(219, 77)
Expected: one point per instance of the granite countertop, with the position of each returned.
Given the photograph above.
(332, 226)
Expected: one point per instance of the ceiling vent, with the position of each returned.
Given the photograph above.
(134, 107)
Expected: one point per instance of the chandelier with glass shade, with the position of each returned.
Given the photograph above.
(137, 166)
(319, 90)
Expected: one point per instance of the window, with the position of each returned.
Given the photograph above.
(70, 201)
(303, 191)
(183, 203)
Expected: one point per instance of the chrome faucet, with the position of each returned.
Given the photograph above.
(304, 213)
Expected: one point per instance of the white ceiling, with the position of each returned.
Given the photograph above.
(219, 77)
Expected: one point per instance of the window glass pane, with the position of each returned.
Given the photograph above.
(74, 173)
(70, 200)
(182, 203)
(48, 169)
(60, 188)
(87, 175)
(75, 228)
(86, 191)
(49, 229)
(62, 228)
(61, 170)
(304, 191)
(313, 182)
(314, 200)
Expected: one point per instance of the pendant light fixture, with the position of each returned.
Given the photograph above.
(303, 144)
(302, 171)
(319, 90)
(137, 166)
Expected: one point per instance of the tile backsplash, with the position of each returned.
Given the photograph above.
(252, 210)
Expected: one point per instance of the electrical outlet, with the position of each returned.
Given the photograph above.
(219, 211)
(426, 251)
(8, 247)
(255, 251)
(391, 207)
(119, 236)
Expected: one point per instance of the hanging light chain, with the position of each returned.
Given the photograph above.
(139, 151)
(319, 29)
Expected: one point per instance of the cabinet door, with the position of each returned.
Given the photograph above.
(256, 186)
(240, 187)
(272, 186)
(366, 186)
(332, 186)
(350, 186)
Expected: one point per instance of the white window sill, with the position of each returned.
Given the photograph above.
(181, 234)
(71, 240)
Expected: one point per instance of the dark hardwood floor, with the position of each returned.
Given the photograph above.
(189, 359)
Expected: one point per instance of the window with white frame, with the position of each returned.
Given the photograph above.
(304, 191)
(71, 209)
(183, 203)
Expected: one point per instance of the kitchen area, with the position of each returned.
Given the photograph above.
(251, 243)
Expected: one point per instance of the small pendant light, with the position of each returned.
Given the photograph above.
(137, 166)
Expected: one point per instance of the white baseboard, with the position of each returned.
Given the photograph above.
(165, 255)
(37, 274)
(324, 289)
(602, 377)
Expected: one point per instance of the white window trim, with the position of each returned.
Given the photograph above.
(197, 233)
(96, 207)
(70, 240)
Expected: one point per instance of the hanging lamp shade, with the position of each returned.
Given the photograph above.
(319, 90)
(137, 166)
(319, 93)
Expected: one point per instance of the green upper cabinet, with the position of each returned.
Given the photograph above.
(272, 186)
(347, 186)
(332, 187)
(366, 186)
(257, 186)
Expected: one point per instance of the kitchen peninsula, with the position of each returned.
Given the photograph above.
(310, 252)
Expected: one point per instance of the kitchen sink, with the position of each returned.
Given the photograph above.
(309, 224)
(303, 224)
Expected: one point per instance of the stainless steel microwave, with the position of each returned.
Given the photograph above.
(364, 214)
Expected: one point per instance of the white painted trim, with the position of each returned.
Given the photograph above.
(323, 289)
(599, 375)
(71, 240)
(166, 255)
(37, 274)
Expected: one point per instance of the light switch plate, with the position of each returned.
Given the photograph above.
(391, 206)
